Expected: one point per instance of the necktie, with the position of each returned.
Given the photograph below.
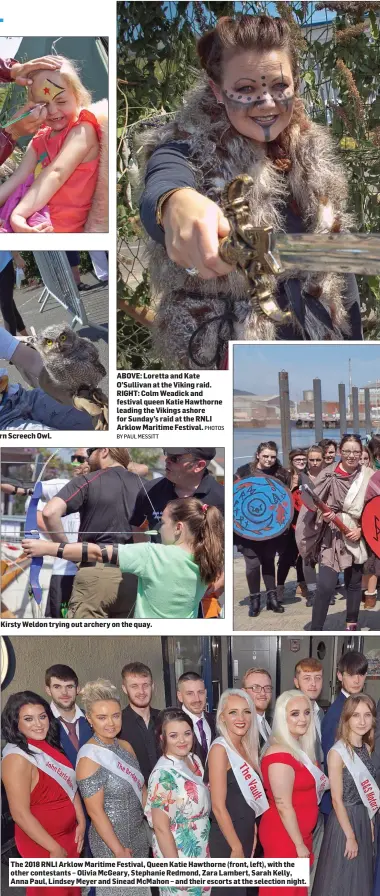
(203, 736)
(264, 728)
(72, 733)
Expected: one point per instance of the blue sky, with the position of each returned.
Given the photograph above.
(256, 366)
(314, 16)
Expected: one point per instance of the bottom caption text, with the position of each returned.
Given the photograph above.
(175, 873)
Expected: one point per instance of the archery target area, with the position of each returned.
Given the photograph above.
(36, 584)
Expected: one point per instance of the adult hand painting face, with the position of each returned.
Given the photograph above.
(257, 91)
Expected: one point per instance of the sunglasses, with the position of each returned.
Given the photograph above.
(355, 435)
(78, 458)
(175, 458)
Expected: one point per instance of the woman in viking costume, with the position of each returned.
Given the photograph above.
(111, 785)
(41, 788)
(294, 785)
(259, 557)
(342, 487)
(178, 804)
(346, 859)
(245, 117)
(237, 793)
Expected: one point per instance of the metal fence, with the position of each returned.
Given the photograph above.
(59, 284)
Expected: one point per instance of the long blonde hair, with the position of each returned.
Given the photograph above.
(69, 71)
(280, 731)
(250, 741)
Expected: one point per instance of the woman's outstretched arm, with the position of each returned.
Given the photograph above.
(36, 547)
(192, 224)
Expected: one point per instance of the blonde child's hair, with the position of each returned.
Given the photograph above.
(69, 71)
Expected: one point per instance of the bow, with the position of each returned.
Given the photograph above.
(31, 531)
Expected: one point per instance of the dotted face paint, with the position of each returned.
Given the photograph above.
(256, 95)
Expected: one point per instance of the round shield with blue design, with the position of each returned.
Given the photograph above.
(263, 507)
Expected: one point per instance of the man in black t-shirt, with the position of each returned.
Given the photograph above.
(186, 475)
(139, 719)
(105, 499)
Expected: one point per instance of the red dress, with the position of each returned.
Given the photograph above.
(274, 838)
(51, 806)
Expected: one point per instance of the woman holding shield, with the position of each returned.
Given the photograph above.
(346, 859)
(259, 557)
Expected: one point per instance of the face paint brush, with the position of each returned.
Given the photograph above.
(48, 89)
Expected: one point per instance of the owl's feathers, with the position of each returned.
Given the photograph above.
(71, 361)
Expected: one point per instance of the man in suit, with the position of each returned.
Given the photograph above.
(351, 672)
(139, 718)
(192, 695)
(258, 684)
(308, 678)
(62, 686)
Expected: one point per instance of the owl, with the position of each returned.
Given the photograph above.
(71, 361)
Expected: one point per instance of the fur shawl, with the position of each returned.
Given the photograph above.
(316, 182)
(97, 218)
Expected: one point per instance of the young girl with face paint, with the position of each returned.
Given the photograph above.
(245, 118)
(52, 188)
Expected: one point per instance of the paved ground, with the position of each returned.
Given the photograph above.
(297, 616)
(96, 306)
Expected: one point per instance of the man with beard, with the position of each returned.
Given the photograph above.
(139, 718)
(61, 684)
(105, 500)
(258, 684)
(186, 475)
(192, 695)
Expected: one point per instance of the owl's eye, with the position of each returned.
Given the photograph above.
(62, 337)
(49, 341)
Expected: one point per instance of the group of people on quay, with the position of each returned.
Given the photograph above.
(344, 477)
(134, 782)
(145, 548)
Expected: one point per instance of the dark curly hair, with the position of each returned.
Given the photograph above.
(10, 719)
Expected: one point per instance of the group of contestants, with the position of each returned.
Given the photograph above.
(339, 476)
(234, 786)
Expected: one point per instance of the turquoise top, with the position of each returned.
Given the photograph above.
(169, 584)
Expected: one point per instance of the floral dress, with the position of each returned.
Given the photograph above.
(174, 789)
